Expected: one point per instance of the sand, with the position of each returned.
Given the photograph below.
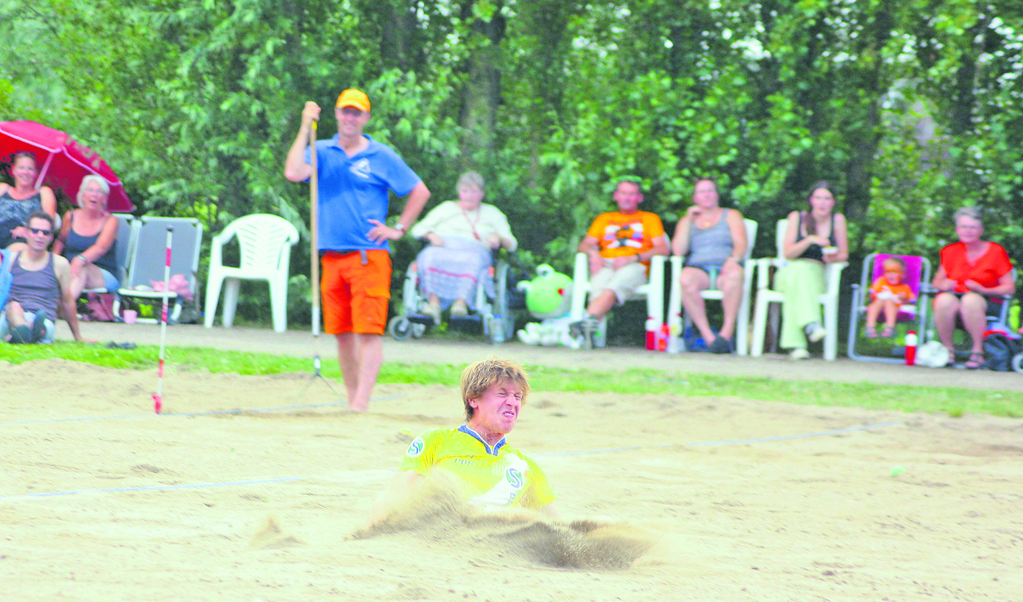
(262, 505)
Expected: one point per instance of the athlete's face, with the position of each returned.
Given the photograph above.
(497, 409)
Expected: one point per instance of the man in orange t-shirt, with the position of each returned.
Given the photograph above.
(620, 245)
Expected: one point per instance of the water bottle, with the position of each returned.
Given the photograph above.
(651, 334)
(713, 278)
(911, 348)
(674, 339)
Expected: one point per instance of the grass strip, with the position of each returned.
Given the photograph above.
(953, 401)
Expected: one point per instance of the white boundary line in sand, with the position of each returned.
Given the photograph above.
(187, 414)
(373, 473)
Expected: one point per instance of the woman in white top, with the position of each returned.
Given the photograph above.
(462, 234)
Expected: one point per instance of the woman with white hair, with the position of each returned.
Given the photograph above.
(88, 239)
(462, 234)
(972, 270)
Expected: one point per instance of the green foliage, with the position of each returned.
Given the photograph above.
(911, 109)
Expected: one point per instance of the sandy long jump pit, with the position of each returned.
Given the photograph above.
(667, 497)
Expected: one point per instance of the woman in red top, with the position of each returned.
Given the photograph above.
(970, 269)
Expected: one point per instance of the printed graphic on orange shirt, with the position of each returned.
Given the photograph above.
(624, 235)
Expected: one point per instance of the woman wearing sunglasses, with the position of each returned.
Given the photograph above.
(88, 239)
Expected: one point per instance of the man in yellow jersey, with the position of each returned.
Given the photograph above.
(620, 245)
(488, 470)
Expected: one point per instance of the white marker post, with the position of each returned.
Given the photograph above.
(158, 398)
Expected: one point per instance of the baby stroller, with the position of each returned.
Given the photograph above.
(492, 314)
(918, 273)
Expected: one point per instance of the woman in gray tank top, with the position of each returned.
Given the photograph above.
(713, 241)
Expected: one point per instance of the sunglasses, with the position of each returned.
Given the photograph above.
(40, 231)
(351, 112)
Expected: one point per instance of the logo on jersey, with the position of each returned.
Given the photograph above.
(514, 477)
(361, 168)
(416, 447)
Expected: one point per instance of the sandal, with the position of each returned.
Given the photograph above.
(975, 362)
(871, 332)
(888, 332)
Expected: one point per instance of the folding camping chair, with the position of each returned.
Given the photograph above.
(918, 274)
(149, 258)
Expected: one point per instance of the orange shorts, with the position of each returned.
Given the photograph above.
(355, 296)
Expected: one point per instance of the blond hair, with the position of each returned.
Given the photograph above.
(898, 261)
(476, 378)
(88, 180)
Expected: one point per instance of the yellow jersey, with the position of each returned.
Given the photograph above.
(498, 475)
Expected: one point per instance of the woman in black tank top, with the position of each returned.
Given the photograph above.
(88, 238)
(814, 237)
(18, 201)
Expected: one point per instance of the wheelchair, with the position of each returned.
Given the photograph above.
(493, 315)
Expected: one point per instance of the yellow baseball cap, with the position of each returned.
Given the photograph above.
(353, 98)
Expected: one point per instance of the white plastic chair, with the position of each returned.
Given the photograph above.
(653, 291)
(767, 296)
(265, 242)
(675, 318)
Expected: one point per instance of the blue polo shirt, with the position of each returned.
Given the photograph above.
(353, 190)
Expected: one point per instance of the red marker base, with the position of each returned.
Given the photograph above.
(157, 403)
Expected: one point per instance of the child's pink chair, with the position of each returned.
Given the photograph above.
(918, 273)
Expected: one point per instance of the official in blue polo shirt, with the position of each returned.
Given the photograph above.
(354, 175)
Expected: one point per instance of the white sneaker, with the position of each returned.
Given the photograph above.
(814, 332)
(799, 354)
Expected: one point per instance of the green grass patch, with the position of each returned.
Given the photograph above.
(953, 401)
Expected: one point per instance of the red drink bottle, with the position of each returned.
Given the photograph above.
(911, 348)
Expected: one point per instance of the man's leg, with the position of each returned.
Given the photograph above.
(371, 350)
(15, 315)
(602, 303)
(348, 358)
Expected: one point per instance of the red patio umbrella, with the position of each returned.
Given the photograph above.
(62, 161)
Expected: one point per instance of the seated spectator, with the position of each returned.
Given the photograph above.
(713, 241)
(88, 239)
(620, 245)
(18, 201)
(462, 235)
(814, 238)
(887, 294)
(40, 282)
(970, 270)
